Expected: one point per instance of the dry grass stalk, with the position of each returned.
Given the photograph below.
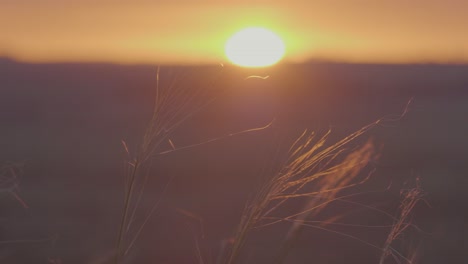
(9, 181)
(173, 105)
(345, 173)
(310, 162)
(409, 200)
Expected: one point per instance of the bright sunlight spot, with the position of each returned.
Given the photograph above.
(254, 47)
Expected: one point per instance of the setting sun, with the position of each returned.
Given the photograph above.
(255, 47)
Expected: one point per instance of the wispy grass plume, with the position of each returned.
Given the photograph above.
(410, 197)
(10, 174)
(313, 171)
(173, 104)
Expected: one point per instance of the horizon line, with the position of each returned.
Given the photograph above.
(9, 59)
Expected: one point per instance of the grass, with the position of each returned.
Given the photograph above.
(410, 198)
(10, 176)
(309, 163)
(318, 174)
(172, 106)
(316, 171)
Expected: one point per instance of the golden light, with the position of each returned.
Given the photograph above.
(255, 47)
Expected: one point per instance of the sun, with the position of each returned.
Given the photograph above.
(254, 47)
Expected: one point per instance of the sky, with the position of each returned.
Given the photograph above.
(188, 31)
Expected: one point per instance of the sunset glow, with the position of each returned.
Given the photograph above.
(187, 33)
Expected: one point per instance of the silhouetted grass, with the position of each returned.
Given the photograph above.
(316, 171)
(173, 104)
(10, 176)
(310, 162)
(318, 174)
(402, 222)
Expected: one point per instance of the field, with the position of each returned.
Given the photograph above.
(65, 129)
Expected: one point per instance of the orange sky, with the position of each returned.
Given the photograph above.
(184, 31)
